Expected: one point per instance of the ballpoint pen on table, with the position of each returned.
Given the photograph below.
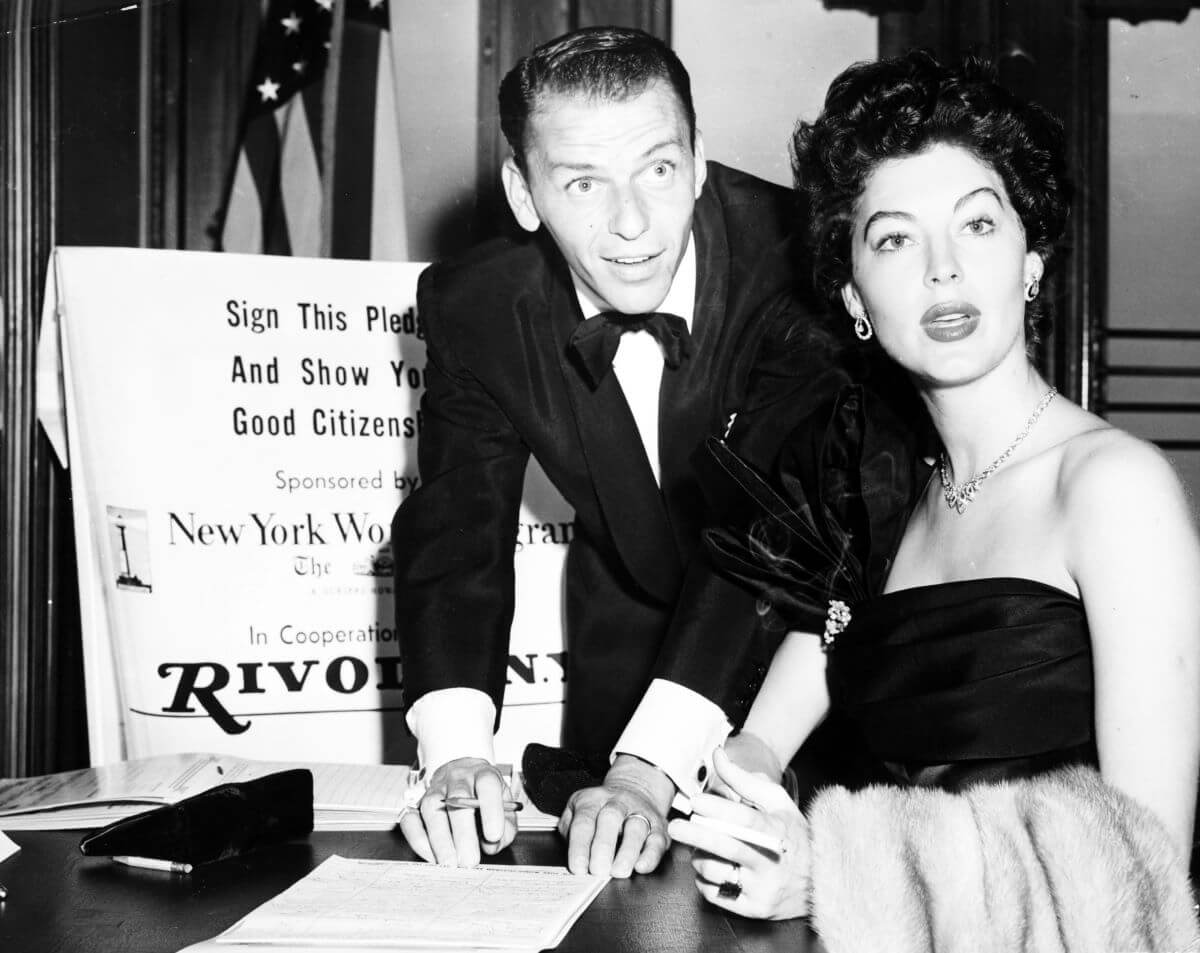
(474, 802)
(153, 863)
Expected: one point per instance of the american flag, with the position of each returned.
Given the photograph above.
(322, 95)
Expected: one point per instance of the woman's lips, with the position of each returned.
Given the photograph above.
(950, 321)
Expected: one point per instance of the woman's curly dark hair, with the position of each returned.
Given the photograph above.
(899, 107)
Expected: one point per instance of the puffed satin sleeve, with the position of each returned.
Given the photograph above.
(823, 437)
(824, 526)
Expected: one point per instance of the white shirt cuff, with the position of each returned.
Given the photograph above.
(452, 723)
(676, 730)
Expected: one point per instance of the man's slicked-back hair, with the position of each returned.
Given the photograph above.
(605, 63)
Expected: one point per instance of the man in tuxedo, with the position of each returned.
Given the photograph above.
(607, 345)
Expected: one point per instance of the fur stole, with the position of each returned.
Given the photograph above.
(1061, 862)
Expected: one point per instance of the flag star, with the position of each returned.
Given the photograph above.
(268, 90)
(375, 4)
(291, 23)
(325, 4)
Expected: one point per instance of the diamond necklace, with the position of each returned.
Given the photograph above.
(958, 495)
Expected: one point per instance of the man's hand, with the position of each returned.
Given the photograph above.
(453, 837)
(621, 826)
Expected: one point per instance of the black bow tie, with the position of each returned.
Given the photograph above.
(594, 341)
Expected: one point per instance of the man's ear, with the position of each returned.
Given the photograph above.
(852, 301)
(701, 165)
(516, 190)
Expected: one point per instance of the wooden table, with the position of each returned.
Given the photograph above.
(62, 902)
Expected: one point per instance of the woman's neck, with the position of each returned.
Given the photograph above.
(978, 421)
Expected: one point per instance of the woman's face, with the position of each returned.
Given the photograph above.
(941, 266)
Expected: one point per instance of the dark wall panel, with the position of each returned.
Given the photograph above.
(98, 115)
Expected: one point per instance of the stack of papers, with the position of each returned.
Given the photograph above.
(395, 905)
(345, 796)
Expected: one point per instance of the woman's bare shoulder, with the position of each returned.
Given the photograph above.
(1103, 467)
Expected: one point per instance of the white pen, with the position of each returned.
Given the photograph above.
(153, 863)
(747, 835)
(457, 801)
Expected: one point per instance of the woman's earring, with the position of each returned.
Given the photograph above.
(862, 327)
(1031, 290)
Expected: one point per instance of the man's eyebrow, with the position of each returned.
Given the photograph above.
(582, 166)
(674, 141)
(571, 166)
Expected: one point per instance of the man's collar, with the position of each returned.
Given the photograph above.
(681, 296)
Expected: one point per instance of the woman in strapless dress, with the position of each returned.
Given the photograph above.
(1012, 625)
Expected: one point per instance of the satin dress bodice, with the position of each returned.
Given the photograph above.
(966, 681)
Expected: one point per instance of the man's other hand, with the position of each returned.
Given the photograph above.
(621, 826)
(454, 837)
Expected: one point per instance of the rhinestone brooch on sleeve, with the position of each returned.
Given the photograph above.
(836, 621)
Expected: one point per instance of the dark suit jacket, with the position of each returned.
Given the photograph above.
(501, 386)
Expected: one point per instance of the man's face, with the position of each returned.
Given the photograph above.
(615, 184)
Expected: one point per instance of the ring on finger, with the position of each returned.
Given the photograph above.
(732, 889)
(639, 816)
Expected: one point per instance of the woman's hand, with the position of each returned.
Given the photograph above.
(753, 881)
(750, 753)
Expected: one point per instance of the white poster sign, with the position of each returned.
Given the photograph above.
(240, 430)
